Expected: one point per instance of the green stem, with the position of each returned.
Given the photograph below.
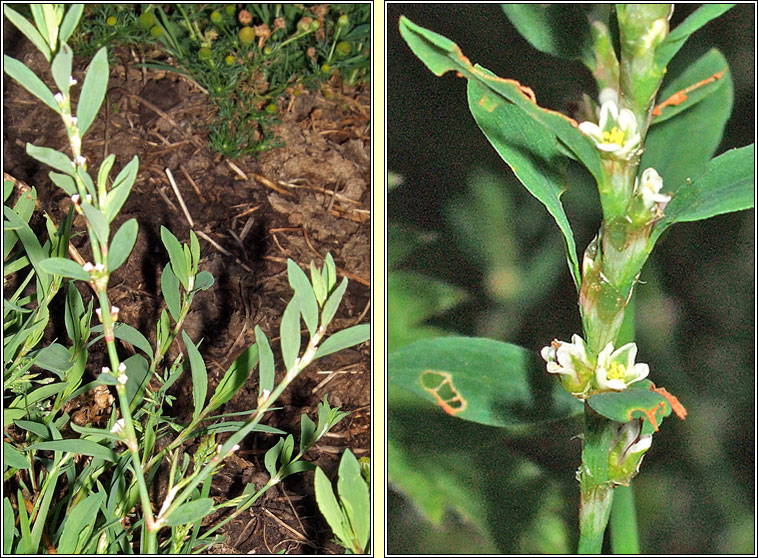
(596, 490)
(624, 538)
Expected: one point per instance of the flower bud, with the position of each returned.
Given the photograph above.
(627, 449)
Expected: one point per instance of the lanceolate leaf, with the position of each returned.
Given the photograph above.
(122, 244)
(199, 375)
(30, 81)
(235, 377)
(477, 379)
(559, 29)
(93, 90)
(343, 339)
(679, 35)
(728, 184)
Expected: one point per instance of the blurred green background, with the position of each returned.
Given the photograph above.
(471, 252)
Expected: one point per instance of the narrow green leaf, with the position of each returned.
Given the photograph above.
(307, 430)
(289, 333)
(235, 377)
(176, 255)
(562, 30)
(199, 375)
(65, 182)
(480, 380)
(61, 68)
(35, 427)
(136, 371)
(630, 404)
(9, 528)
(65, 268)
(122, 244)
(303, 289)
(343, 339)
(25, 544)
(70, 21)
(51, 157)
(266, 365)
(79, 520)
(332, 303)
(170, 290)
(190, 512)
(104, 172)
(93, 90)
(29, 31)
(319, 287)
(354, 495)
(203, 281)
(55, 358)
(329, 273)
(269, 460)
(78, 447)
(195, 251)
(329, 506)
(679, 35)
(97, 221)
(30, 81)
(121, 188)
(296, 467)
(728, 184)
(13, 458)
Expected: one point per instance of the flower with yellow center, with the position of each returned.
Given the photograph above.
(615, 135)
(648, 187)
(616, 370)
(570, 362)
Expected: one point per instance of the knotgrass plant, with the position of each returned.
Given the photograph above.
(245, 58)
(649, 152)
(98, 492)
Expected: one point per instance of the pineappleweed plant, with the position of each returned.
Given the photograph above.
(646, 182)
(95, 493)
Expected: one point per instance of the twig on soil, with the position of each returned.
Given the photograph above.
(363, 314)
(268, 184)
(159, 112)
(248, 224)
(189, 179)
(293, 509)
(302, 538)
(223, 250)
(236, 169)
(162, 192)
(180, 198)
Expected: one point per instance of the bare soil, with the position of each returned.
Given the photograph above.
(299, 201)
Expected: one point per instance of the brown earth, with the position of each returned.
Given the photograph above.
(300, 201)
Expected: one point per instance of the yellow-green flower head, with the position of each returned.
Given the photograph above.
(570, 362)
(616, 370)
(648, 187)
(616, 132)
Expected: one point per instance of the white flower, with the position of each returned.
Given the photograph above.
(616, 369)
(122, 367)
(118, 427)
(627, 450)
(71, 80)
(99, 267)
(122, 379)
(88, 266)
(616, 134)
(75, 198)
(648, 186)
(59, 98)
(633, 441)
(105, 370)
(564, 358)
(608, 94)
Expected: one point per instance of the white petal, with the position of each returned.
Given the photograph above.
(643, 444)
(608, 94)
(609, 110)
(548, 353)
(638, 372)
(591, 129)
(626, 121)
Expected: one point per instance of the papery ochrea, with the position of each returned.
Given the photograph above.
(616, 134)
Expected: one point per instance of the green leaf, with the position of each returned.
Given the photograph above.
(329, 506)
(29, 31)
(235, 377)
(728, 184)
(70, 21)
(203, 281)
(266, 365)
(137, 372)
(632, 403)
(666, 150)
(354, 495)
(562, 30)
(78, 447)
(303, 289)
(480, 380)
(79, 520)
(121, 188)
(61, 68)
(93, 90)
(529, 138)
(530, 151)
(199, 375)
(697, 75)
(319, 288)
(104, 172)
(679, 35)
(122, 244)
(307, 430)
(127, 333)
(289, 333)
(65, 182)
(343, 339)
(97, 222)
(269, 460)
(51, 157)
(176, 255)
(190, 512)
(170, 290)
(30, 81)
(65, 268)
(35, 427)
(13, 458)
(194, 251)
(55, 358)
(9, 529)
(332, 303)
